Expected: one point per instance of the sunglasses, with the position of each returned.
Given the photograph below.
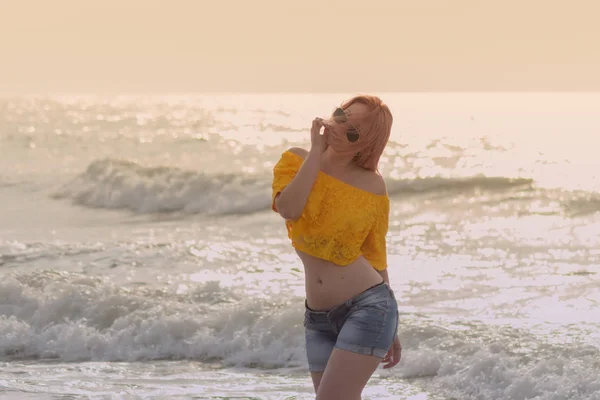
(340, 116)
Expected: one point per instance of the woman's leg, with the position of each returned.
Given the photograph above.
(316, 378)
(346, 375)
(320, 340)
(366, 334)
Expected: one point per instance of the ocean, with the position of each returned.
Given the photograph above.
(139, 257)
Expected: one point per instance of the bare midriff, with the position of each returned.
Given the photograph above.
(329, 285)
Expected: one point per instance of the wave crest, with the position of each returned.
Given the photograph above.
(72, 317)
(122, 184)
(438, 184)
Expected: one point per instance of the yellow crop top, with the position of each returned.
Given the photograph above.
(339, 221)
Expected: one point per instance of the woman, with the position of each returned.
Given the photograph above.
(336, 208)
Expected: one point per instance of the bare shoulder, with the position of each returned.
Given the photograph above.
(299, 151)
(373, 182)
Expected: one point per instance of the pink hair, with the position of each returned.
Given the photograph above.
(374, 129)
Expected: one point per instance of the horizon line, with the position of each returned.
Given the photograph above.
(290, 92)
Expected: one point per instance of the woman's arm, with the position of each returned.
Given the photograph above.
(291, 201)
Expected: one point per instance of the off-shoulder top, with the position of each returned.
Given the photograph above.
(340, 222)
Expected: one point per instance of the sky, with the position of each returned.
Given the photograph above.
(183, 46)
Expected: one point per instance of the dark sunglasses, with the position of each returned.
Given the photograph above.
(340, 116)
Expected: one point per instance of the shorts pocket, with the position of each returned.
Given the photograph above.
(370, 318)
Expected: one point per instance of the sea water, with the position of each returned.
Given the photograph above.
(139, 256)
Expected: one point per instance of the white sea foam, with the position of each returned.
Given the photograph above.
(121, 184)
(127, 185)
(70, 317)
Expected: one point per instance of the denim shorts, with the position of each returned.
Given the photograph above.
(365, 324)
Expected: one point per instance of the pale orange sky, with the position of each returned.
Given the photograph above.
(298, 45)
